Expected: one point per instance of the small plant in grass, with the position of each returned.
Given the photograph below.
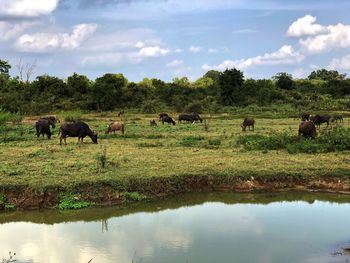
(189, 141)
(70, 201)
(102, 158)
(134, 196)
(150, 145)
(206, 125)
(214, 142)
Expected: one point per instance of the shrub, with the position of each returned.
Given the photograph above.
(330, 140)
(72, 116)
(195, 107)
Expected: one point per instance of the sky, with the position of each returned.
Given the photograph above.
(175, 38)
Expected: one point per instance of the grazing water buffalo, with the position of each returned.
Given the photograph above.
(337, 118)
(248, 122)
(121, 113)
(167, 119)
(307, 129)
(42, 127)
(161, 115)
(115, 126)
(53, 119)
(152, 123)
(76, 129)
(305, 116)
(319, 119)
(193, 117)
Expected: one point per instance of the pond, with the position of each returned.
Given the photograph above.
(198, 228)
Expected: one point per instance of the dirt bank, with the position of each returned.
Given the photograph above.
(24, 197)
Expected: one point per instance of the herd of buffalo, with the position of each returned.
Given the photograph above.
(307, 127)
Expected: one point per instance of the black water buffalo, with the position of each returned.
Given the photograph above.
(248, 122)
(305, 116)
(53, 119)
(307, 129)
(319, 119)
(161, 115)
(76, 129)
(121, 113)
(42, 127)
(167, 119)
(193, 117)
(337, 117)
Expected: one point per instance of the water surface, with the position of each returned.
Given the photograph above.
(199, 228)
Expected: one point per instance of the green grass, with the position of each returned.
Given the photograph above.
(167, 151)
(134, 196)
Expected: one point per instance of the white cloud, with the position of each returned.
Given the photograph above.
(27, 8)
(194, 49)
(41, 42)
(338, 36)
(212, 50)
(319, 38)
(175, 63)
(178, 50)
(154, 51)
(340, 63)
(10, 30)
(111, 59)
(305, 26)
(285, 55)
(140, 44)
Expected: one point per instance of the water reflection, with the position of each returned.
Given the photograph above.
(191, 228)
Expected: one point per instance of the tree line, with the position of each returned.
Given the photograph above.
(211, 92)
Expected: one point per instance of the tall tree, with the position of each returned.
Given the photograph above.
(284, 81)
(107, 91)
(231, 81)
(327, 75)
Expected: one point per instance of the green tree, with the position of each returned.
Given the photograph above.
(107, 91)
(284, 81)
(231, 81)
(327, 75)
(78, 86)
(4, 68)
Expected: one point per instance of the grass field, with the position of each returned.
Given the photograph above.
(150, 152)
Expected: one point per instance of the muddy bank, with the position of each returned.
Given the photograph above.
(107, 193)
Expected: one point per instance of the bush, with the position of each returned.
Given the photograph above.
(195, 107)
(330, 140)
(9, 117)
(72, 116)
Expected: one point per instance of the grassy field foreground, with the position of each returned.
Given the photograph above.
(163, 152)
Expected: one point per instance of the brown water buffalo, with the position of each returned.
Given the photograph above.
(42, 127)
(115, 126)
(76, 129)
(319, 119)
(305, 116)
(248, 122)
(307, 129)
(152, 123)
(167, 119)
